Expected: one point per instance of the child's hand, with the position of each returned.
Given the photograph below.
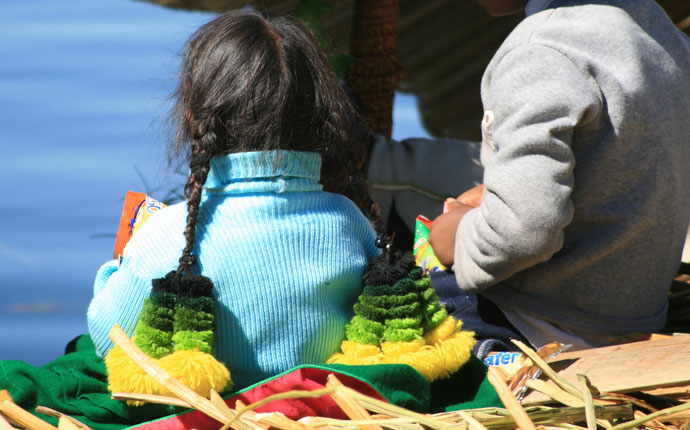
(443, 228)
(472, 197)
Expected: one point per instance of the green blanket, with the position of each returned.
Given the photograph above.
(75, 384)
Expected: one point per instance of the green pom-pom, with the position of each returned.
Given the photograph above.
(422, 284)
(435, 319)
(155, 343)
(187, 319)
(403, 286)
(382, 314)
(368, 325)
(413, 322)
(388, 301)
(417, 273)
(430, 309)
(429, 295)
(156, 351)
(391, 334)
(201, 340)
(161, 322)
(163, 298)
(155, 316)
(404, 311)
(403, 329)
(359, 333)
(200, 304)
(369, 312)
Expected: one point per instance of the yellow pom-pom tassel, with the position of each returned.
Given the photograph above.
(197, 370)
(425, 360)
(413, 353)
(455, 351)
(439, 354)
(452, 345)
(444, 330)
(396, 349)
(339, 358)
(356, 353)
(126, 376)
(360, 350)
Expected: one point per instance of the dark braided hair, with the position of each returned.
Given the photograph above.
(199, 166)
(260, 82)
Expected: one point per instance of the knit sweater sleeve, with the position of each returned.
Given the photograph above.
(362, 226)
(121, 287)
(369, 235)
(119, 294)
(535, 98)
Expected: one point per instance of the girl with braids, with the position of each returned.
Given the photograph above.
(274, 149)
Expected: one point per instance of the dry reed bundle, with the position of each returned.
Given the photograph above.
(584, 406)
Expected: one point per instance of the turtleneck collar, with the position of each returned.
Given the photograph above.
(264, 171)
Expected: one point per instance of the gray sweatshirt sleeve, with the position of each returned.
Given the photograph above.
(534, 98)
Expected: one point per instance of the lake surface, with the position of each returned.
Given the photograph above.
(84, 90)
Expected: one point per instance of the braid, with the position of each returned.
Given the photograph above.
(199, 165)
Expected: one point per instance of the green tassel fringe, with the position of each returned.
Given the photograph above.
(401, 312)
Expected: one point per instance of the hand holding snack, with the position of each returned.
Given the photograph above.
(472, 197)
(443, 228)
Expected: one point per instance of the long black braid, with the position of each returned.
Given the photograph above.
(199, 165)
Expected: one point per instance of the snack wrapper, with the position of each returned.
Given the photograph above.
(508, 361)
(517, 368)
(137, 209)
(424, 255)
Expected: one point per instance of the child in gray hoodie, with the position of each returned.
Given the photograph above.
(579, 225)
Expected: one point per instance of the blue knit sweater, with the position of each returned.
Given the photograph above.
(286, 259)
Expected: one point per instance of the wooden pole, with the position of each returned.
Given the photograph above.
(375, 72)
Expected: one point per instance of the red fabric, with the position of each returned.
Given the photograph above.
(304, 378)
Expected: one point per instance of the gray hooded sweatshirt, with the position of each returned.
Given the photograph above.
(586, 155)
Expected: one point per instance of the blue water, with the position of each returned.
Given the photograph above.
(84, 92)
